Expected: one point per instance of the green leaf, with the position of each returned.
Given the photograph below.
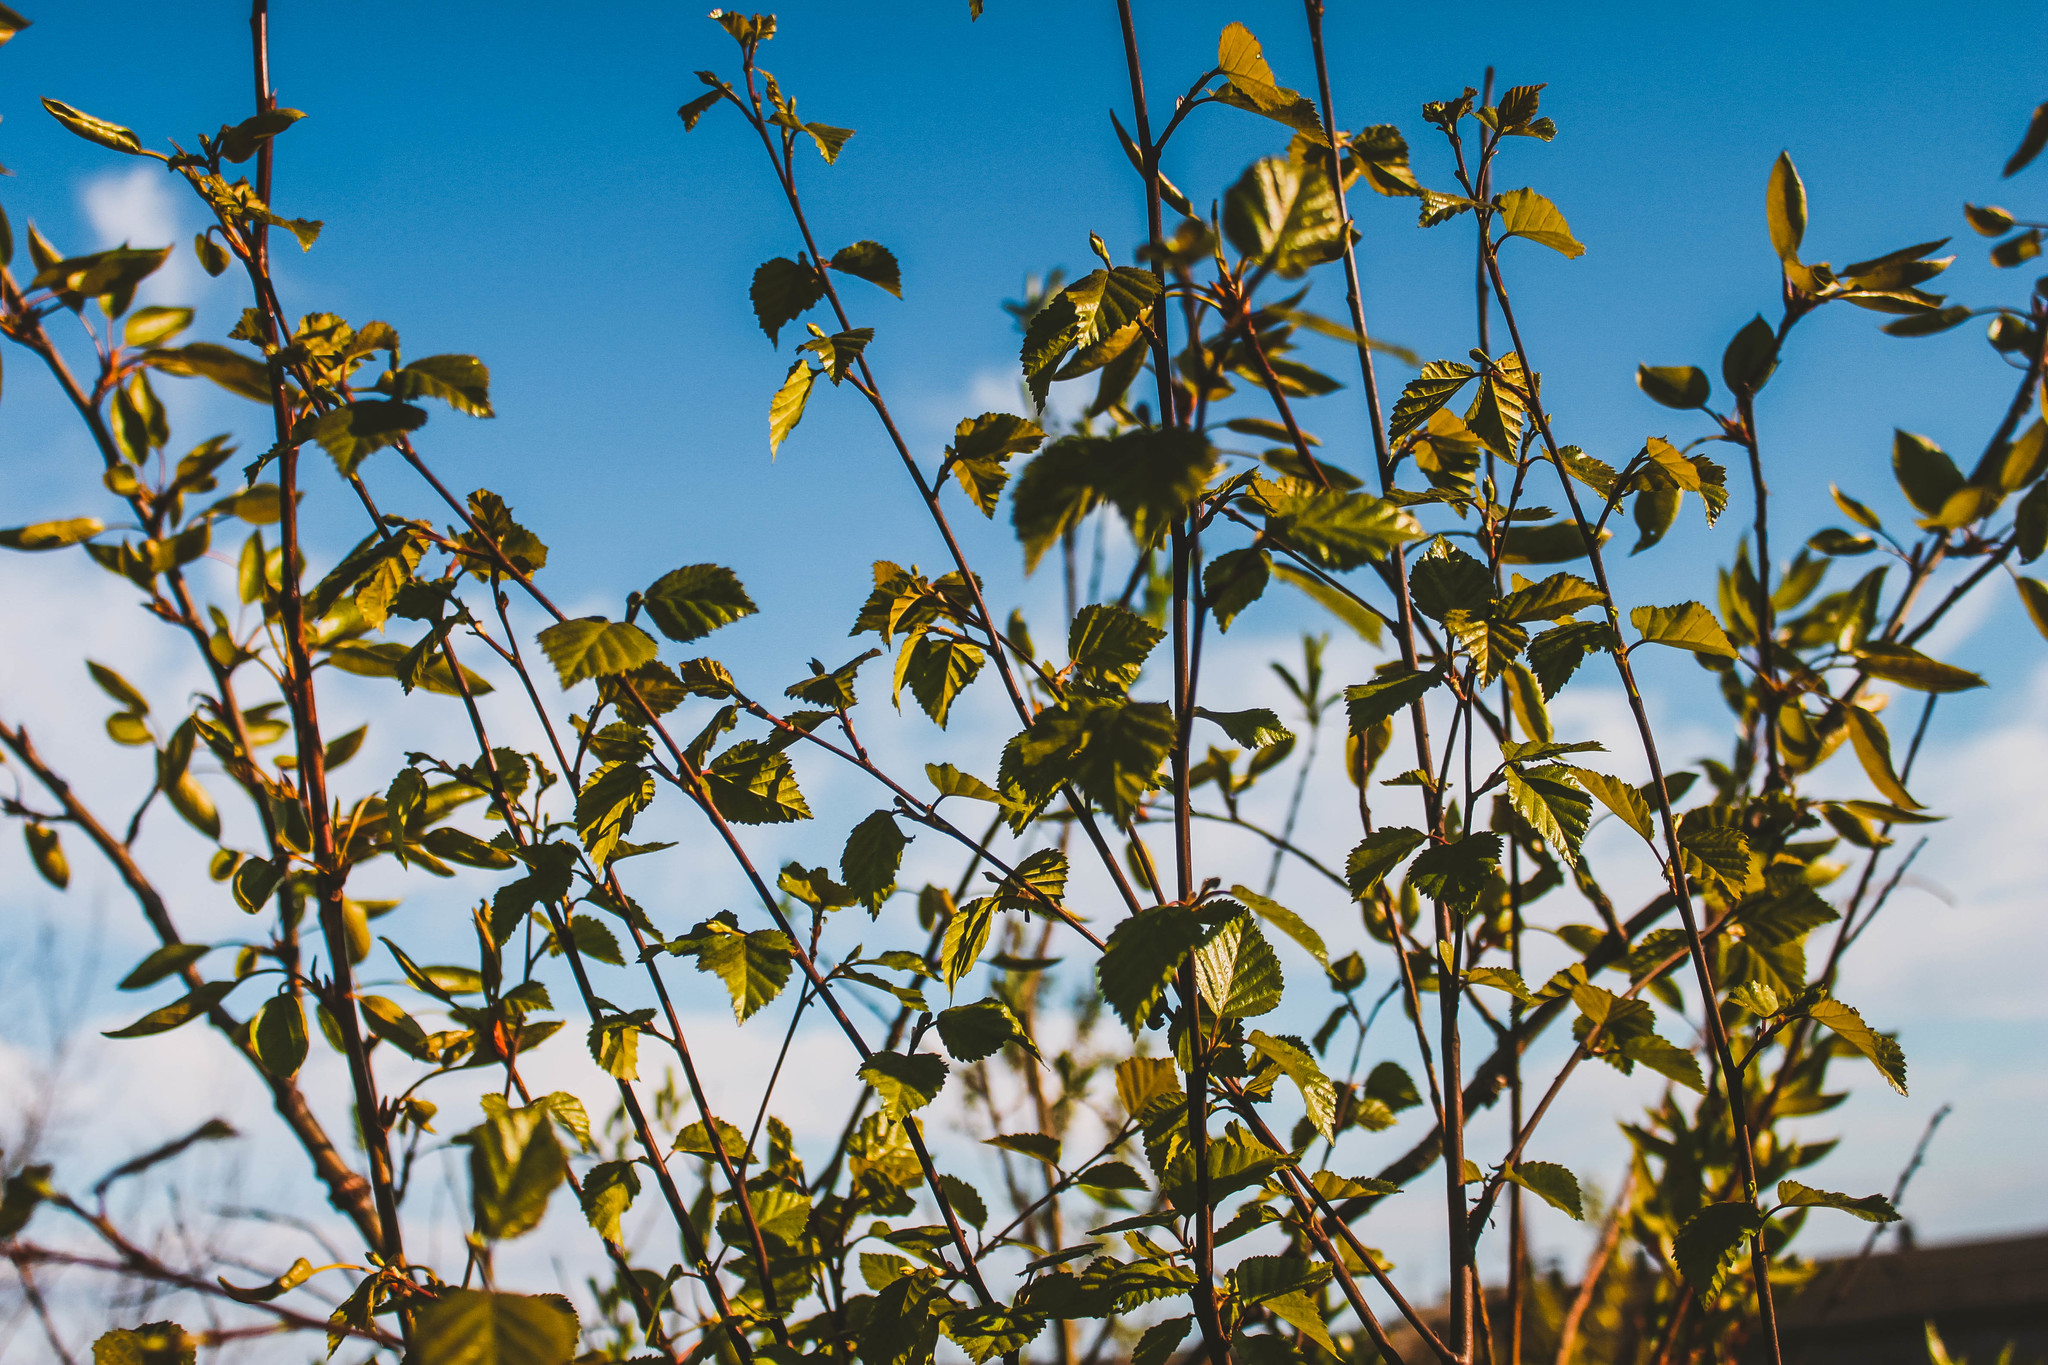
(950, 781)
(473, 1327)
(1685, 626)
(1930, 323)
(1161, 1340)
(1556, 654)
(1237, 970)
(1141, 958)
(982, 446)
(973, 1032)
(592, 647)
(1874, 751)
(2030, 523)
(985, 1333)
(461, 381)
(515, 1164)
(615, 1043)
(870, 261)
(1336, 530)
(1557, 1186)
(1926, 475)
(1037, 1146)
(52, 535)
(1281, 212)
(838, 351)
(168, 960)
(278, 1033)
(1086, 312)
(1378, 855)
(109, 135)
(1525, 213)
(783, 290)
(872, 858)
(2031, 143)
(1111, 1175)
(937, 670)
(1438, 383)
(1709, 1244)
(1908, 667)
(786, 408)
(1258, 728)
(754, 966)
(828, 139)
(1286, 921)
(1871, 1208)
(1445, 580)
(1237, 1160)
(608, 1191)
(1553, 599)
(1785, 208)
(1501, 979)
(1233, 581)
(2034, 596)
(1621, 798)
(1751, 356)
(1557, 542)
(689, 603)
(905, 1084)
(1675, 386)
(1109, 644)
(46, 850)
(386, 1020)
(1318, 1095)
(1393, 1087)
(607, 805)
(1455, 874)
(1251, 85)
(301, 1270)
(1370, 703)
(353, 431)
(1558, 809)
(1111, 748)
(1883, 1051)
(178, 1012)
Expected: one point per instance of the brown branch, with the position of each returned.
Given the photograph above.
(347, 1191)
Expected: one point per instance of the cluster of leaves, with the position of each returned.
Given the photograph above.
(1161, 1138)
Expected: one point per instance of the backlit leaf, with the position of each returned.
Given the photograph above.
(592, 647)
(1557, 1186)
(475, 1327)
(1883, 1051)
(689, 603)
(904, 1084)
(1525, 213)
(1871, 1208)
(1711, 1241)
(1685, 626)
(1785, 208)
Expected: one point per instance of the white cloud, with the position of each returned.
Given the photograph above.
(141, 207)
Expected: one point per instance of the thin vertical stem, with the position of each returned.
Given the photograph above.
(1203, 1298)
(330, 875)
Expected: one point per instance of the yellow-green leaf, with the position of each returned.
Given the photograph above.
(1525, 213)
(109, 135)
(786, 409)
(1785, 208)
(592, 647)
(52, 535)
(1874, 752)
(1685, 626)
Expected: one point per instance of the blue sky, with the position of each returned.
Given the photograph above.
(512, 181)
